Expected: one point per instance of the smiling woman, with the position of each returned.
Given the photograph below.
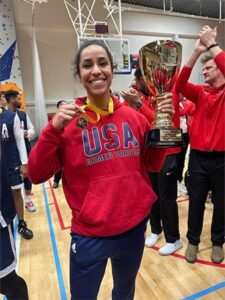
(104, 164)
(95, 73)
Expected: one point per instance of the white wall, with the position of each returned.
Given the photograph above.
(57, 44)
(10, 78)
(162, 27)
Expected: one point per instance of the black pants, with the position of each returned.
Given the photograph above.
(13, 287)
(165, 209)
(181, 160)
(58, 176)
(206, 171)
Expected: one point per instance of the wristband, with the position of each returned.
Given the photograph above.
(138, 105)
(213, 45)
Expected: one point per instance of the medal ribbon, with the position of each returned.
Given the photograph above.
(99, 112)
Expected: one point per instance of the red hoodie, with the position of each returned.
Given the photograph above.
(104, 170)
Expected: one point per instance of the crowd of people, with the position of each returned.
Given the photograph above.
(103, 140)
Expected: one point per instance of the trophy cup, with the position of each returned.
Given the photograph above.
(160, 63)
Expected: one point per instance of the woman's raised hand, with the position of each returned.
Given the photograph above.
(66, 114)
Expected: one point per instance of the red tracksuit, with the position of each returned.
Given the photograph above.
(206, 164)
(208, 132)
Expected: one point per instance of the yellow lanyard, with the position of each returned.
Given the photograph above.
(99, 112)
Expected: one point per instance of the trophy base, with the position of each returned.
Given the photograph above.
(171, 137)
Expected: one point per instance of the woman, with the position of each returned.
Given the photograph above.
(100, 144)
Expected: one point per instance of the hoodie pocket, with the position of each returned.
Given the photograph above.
(115, 204)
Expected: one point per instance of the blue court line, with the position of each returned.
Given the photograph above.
(15, 226)
(54, 247)
(206, 291)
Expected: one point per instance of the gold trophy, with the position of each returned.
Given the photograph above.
(160, 63)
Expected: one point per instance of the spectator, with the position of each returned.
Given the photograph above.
(207, 142)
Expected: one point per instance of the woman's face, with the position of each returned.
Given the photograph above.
(95, 71)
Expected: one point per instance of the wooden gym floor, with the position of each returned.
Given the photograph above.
(44, 260)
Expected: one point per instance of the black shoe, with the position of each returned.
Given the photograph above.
(24, 231)
(55, 185)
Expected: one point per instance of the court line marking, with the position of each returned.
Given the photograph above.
(17, 238)
(58, 212)
(63, 227)
(54, 247)
(200, 261)
(199, 294)
(206, 291)
(180, 199)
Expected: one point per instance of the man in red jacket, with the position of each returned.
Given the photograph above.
(207, 140)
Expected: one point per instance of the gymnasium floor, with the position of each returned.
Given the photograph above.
(44, 260)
